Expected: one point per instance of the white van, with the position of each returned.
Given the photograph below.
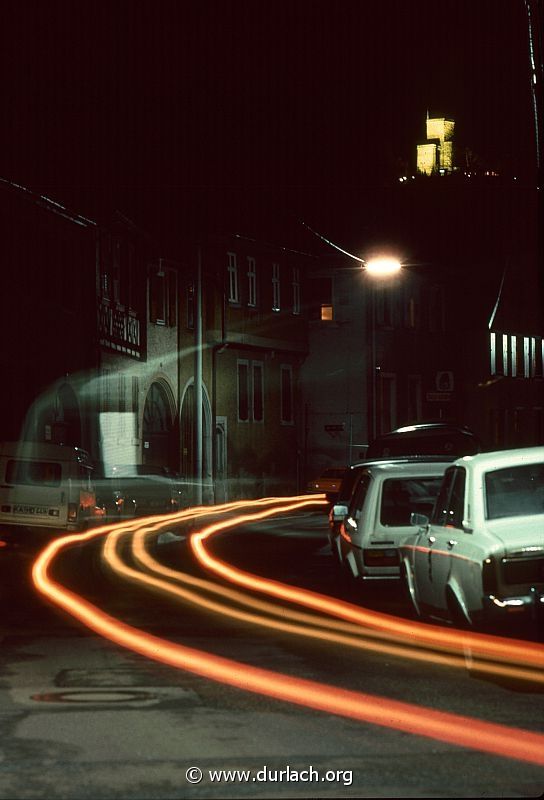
(45, 486)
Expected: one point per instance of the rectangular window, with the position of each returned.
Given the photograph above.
(275, 287)
(514, 356)
(157, 297)
(243, 391)
(286, 377)
(539, 358)
(493, 353)
(296, 290)
(233, 278)
(251, 282)
(505, 354)
(526, 357)
(162, 295)
(258, 391)
(326, 313)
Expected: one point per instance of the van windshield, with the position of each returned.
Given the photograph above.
(33, 473)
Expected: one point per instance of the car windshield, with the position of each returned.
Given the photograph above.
(514, 491)
(400, 497)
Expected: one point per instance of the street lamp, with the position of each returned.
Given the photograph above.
(383, 265)
(377, 267)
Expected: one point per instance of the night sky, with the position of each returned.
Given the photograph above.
(180, 111)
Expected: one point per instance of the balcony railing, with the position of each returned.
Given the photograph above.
(119, 329)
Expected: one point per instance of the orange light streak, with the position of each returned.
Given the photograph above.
(452, 728)
(506, 650)
(312, 624)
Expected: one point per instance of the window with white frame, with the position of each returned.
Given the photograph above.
(505, 354)
(243, 390)
(514, 356)
(251, 282)
(275, 287)
(296, 290)
(232, 267)
(493, 353)
(257, 393)
(286, 379)
(526, 357)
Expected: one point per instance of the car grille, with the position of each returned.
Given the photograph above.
(523, 570)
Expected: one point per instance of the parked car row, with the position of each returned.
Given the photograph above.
(50, 486)
(465, 535)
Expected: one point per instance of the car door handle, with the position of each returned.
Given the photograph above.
(451, 543)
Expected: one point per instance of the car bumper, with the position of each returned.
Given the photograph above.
(353, 557)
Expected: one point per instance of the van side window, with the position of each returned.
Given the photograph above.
(34, 473)
(359, 497)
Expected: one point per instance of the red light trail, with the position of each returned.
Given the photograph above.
(453, 728)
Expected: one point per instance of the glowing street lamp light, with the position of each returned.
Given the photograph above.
(384, 265)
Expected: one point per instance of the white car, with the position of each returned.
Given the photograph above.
(480, 556)
(379, 515)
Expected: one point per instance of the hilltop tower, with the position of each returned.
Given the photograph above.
(436, 155)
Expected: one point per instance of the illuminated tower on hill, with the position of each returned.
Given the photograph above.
(436, 155)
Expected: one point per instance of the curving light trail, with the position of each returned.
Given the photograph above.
(311, 626)
(453, 728)
(484, 645)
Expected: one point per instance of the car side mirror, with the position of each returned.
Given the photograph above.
(419, 520)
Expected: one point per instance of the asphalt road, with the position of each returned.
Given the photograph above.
(81, 717)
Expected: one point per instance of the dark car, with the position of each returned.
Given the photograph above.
(426, 438)
(127, 490)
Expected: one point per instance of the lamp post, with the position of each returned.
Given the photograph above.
(377, 267)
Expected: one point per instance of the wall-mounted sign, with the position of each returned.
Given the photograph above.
(444, 381)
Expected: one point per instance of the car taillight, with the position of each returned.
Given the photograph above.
(72, 511)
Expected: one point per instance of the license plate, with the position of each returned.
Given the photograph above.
(31, 510)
